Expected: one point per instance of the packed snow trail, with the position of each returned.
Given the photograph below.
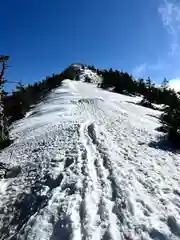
(90, 168)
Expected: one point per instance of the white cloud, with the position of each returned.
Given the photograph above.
(146, 69)
(170, 15)
(175, 83)
(166, 65)
(140, 70)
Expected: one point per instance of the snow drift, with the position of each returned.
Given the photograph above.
(90, 167)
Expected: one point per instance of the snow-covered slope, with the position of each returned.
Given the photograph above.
(91, 168)
(85, 74)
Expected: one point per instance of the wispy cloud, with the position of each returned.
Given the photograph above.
(158, 65)
(168, 64)
(170, 15)
(140, 70)
(146, 69)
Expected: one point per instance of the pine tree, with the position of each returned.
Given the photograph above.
(165, 84)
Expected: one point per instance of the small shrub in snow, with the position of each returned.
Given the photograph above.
(171, 120)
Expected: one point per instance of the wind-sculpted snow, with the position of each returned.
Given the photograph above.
(87, 164)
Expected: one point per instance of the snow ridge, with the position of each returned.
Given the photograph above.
(90, 169)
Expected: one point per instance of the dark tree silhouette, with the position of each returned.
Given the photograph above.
(3, 122)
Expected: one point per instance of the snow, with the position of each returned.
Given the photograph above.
(91, 168)
(94, 78)
(86, 73)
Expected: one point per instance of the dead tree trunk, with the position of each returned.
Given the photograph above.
(3, 122)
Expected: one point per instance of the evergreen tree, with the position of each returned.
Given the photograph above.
(165, 84)
(148, 83)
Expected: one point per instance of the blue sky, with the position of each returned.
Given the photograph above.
(43, 37)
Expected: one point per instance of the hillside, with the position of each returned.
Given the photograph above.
(88, 164)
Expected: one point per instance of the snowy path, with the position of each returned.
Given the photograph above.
(89, 170)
